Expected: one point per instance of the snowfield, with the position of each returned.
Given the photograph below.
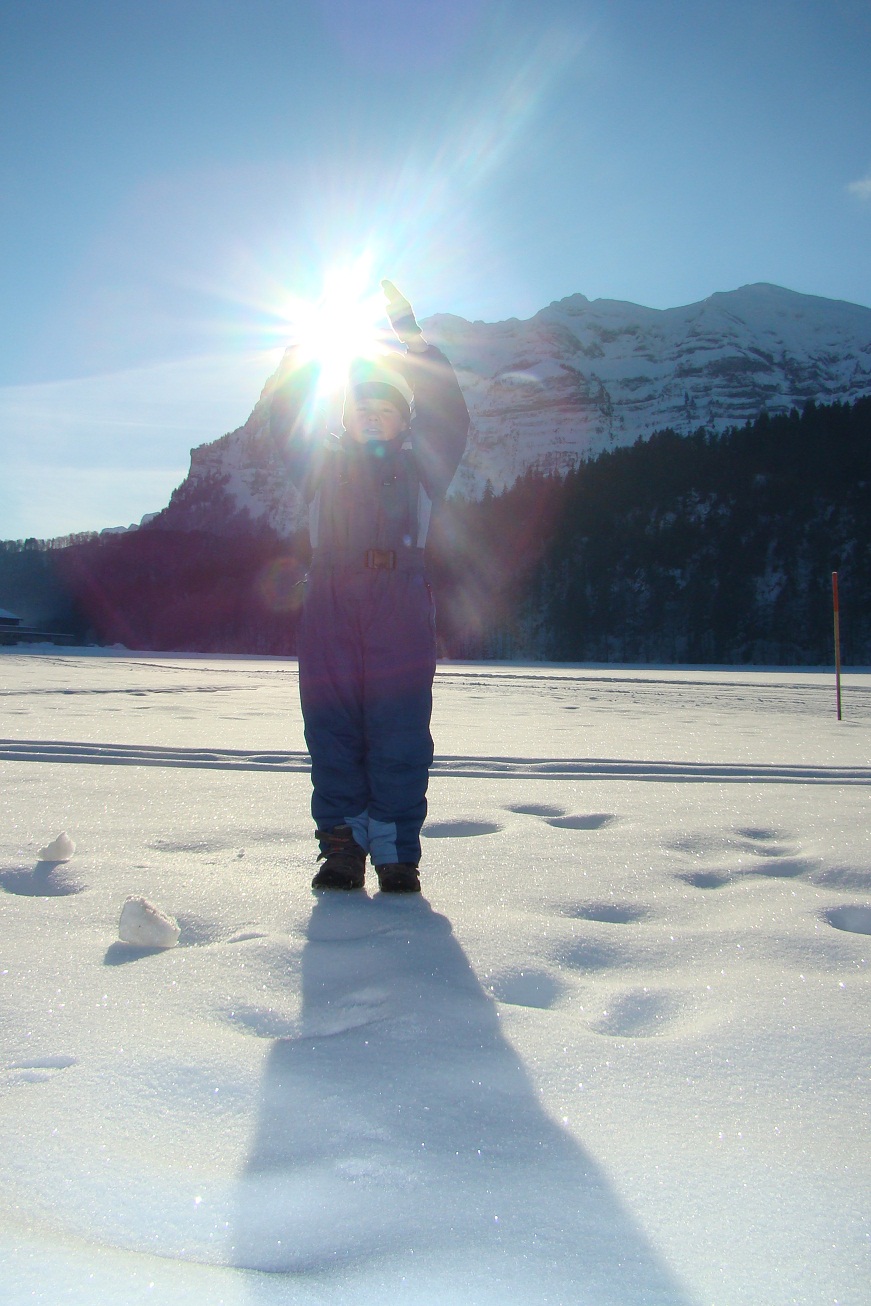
(617, 1054)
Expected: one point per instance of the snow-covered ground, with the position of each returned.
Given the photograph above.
(617, 1053)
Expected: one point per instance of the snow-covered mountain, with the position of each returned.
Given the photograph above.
(580, 377)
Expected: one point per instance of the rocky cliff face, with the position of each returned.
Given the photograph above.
(236, 484)
(577, 378)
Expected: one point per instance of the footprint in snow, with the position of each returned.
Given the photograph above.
(192, 847)
(706, 879)
(643, 1013)
(198, 933)
(562, 820)
(611, 913)
(120, 954)
(588, 821)
(355, 1011)
(195, 933)
(39, 1070)
(526, 988)
(780, 859)
(262, 1022)
(784, 868)
(343, 1019)
(586, 955)
(459, 829)
(850, 878)
(788, 869)
(45, 880)
(535, 809)
(777, 860)
(855, 920)
(741, 839)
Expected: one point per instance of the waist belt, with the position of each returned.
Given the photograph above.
(381, 559)
(367, 560)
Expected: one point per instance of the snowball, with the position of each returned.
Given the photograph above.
(146, 926)
(60, 849)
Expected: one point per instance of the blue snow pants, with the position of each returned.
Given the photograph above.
(366, 667)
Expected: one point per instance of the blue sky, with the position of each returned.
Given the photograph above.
(171, 169)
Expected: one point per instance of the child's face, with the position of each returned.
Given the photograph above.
(373, 419)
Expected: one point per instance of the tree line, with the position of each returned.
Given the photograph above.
(702, 548)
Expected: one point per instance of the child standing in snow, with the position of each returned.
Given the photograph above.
(367, 634)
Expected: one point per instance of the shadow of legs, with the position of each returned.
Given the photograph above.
(399, 1133)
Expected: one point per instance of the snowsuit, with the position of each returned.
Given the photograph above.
(367, 635)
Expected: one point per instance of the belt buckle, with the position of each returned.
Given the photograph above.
(381, 559)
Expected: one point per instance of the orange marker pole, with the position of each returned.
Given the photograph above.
(837, 612)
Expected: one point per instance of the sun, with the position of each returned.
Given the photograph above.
(340, 325)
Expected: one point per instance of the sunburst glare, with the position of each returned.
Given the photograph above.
(340, 325)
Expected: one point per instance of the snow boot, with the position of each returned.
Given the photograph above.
(344, 861)
(398, 877)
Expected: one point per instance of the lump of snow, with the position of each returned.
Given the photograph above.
(146, 926)
(60, 849)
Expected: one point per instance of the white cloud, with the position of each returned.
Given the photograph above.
(862, 188)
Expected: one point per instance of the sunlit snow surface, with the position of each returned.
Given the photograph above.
(617, 1054)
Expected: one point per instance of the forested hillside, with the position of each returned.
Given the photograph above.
(698, 548)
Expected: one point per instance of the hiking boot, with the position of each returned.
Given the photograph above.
(398, 877)
(344, 861)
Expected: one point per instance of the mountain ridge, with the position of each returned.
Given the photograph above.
(578, 377)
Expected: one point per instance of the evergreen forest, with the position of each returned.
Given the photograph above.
(703, 549)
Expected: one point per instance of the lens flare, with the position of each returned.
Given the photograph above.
(279, 584)
(340, 325)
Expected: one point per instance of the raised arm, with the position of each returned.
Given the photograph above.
(440, 426)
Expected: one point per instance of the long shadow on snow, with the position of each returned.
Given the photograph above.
(401, 1149)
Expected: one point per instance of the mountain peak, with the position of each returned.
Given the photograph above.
(578, 378)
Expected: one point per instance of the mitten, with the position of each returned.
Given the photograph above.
(401, 315)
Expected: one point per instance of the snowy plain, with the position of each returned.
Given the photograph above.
(617, 1053)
